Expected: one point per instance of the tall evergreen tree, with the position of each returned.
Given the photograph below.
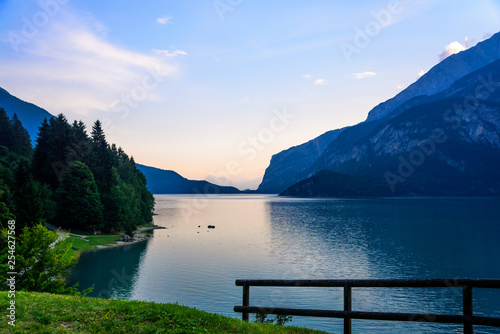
(102, 158)
(21, 141)
(5, 129)
(81, 147)
(52, 152)
(102, 168)
(78, 200)
(29, 205)
(80, 131)
(43, 161)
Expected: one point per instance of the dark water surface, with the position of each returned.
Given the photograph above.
(268, 237)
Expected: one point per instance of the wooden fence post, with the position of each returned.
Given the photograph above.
(246, 300)
(468, 308)
(347, 308)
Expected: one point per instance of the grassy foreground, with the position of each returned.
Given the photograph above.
(48, 313)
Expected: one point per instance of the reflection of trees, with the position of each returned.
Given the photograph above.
(112, 271)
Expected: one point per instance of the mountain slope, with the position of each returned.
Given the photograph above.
(29, 114)
(441, 76)
(448, 145)
(286, 165)
(443, 80)
(331, 184)
(160, 181)
(469, 113)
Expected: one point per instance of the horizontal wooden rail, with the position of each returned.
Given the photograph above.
(377, 283)
(414, 317)
(467, 319)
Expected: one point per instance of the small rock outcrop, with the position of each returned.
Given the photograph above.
(127, 238)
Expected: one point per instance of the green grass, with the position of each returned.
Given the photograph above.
(89, 243)
(48, 313)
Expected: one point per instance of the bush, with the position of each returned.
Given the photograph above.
(41, 261)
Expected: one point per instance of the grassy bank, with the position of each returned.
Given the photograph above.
(89, 242)
(48, 313)
(85, 241)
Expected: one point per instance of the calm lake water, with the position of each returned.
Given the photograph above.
(269, 237)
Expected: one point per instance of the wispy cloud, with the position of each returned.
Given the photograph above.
(420, 74)
(316, 82)
(168, 53)
(68, 68)
(363, 75)
(320, 82)
(164, 20)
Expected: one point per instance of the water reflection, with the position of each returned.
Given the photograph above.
(384, 238)
(113, 271)
(270, 238)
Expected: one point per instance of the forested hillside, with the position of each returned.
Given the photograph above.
(70, 179)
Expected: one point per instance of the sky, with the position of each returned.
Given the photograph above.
(213, 88)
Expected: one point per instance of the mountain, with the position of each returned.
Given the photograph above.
(29, 114)
(327, 183)
(443, 75)
(286, 165)
(443, 78)
(447, 144)
(160, 181)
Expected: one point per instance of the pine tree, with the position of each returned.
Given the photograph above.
(79, 205)
(5, 129)
(45, 168)
(81, 147)
(29, 205)
(21, 141)
(53, 150)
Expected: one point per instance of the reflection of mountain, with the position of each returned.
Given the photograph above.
(384, 238)
(321, 239)
(380, 238)
(112, 271)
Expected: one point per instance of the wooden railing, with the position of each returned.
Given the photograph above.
(467, 319)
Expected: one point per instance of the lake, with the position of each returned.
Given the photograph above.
(270, 237)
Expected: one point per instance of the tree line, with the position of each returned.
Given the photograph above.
(70, 179)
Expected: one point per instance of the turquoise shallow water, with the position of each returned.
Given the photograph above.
(271, 237)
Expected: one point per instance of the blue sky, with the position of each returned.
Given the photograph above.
(216, 87)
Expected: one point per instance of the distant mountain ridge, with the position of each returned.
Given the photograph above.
(29, 114)
(160, 181)
(446, 78)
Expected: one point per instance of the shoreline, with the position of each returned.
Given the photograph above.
(84, 243)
